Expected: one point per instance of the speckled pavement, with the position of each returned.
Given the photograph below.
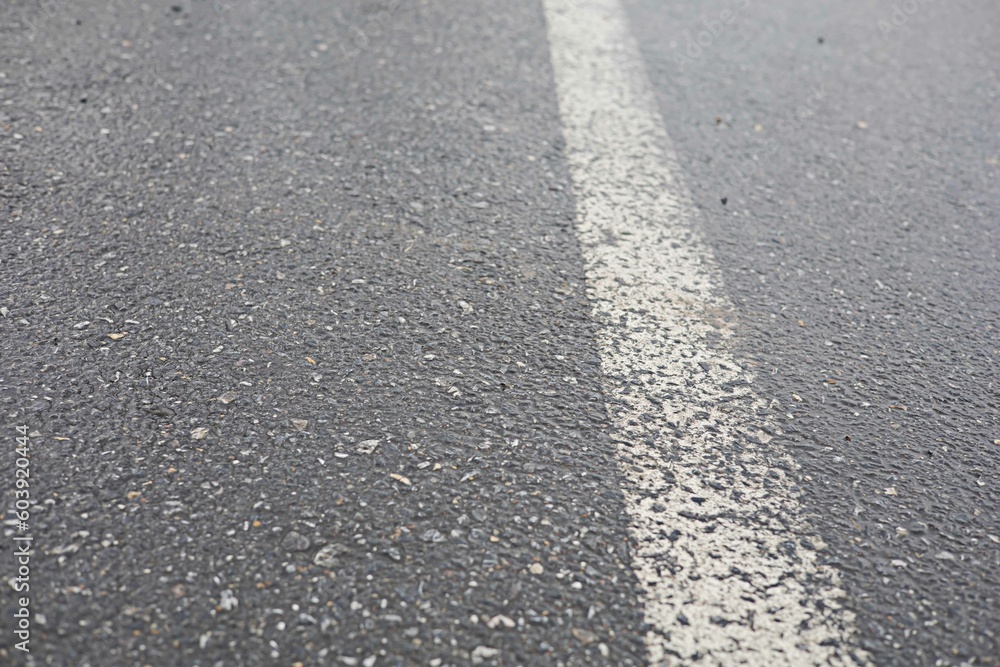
(295, 311)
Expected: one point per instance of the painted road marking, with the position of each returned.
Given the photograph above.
(731, 576)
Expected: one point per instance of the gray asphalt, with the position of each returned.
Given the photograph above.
(353, 223)
(865, 262)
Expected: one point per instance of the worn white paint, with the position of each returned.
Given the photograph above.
(730, 574)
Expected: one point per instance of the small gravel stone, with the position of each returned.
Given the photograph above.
(367, 446)
(199, 433)
(432, 535)
(499, 620)
(481, 653)
(329, 556)
(228, 601)
(295, 541)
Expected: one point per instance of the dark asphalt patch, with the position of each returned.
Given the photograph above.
(285, 252)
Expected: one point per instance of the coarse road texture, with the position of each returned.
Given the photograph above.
(714, 516)
(311, 307)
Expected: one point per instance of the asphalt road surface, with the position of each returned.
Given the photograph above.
(543, 332)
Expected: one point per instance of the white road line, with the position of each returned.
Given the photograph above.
(730, 575)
